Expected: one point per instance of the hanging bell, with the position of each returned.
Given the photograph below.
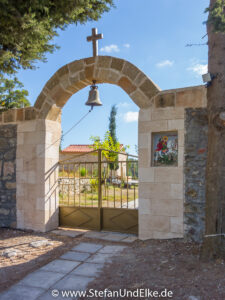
(93, 98)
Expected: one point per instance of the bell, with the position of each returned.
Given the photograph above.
(93, 98)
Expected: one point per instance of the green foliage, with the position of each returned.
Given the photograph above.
(112, 131)
(28, 27)
(217, 16)
(108, 144)
(12, 94)
(112, 123)
(83, 172)
(94, 184)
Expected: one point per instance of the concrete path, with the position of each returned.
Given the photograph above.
(71, 272)
(101, 235)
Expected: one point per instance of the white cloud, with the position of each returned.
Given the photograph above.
(123, 104)
(126, 45)
(131, 116)
(198, 68)
(165, 63)
(110, 49)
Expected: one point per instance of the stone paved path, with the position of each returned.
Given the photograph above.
(72, 271)
(101, 235)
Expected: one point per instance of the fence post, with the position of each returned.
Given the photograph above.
(99, 178)
(100, 187)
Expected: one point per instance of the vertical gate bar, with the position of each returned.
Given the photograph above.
(92, 184)
(100, 187)
(62, 184)
(85, 194)
(114, 186)
(121, 177)
(79, 181)
(74, 186)
(127, 180)
(99, 178)
(68, 189)
(107, 196)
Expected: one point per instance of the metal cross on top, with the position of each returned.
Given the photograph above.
(94, 39)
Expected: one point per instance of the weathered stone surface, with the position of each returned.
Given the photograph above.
(126, 85)
(104, 61)
(20, 114)
(39, 244)
(10, 116)
(8, 141)
(148, 88)
(130, 70)
(11, 253)
(117, 64)
(195, 148)
(165, 100)
(40, 100)
(30, 113)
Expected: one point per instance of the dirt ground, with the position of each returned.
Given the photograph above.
(15, 268)
(160, 264)
(154, 265)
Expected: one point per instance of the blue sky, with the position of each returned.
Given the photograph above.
(150, 34)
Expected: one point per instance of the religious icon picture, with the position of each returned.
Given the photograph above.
(165, 149)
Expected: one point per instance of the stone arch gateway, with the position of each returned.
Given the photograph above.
(29, 161)
(104, 69)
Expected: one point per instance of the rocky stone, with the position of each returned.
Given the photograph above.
(12, 253)
(195, 154)
(42, 243)
(8, 142)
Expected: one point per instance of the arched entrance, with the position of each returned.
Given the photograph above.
(62, 85)
(75, 76)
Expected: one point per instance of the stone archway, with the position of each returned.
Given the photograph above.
(104, 69)
(38, 131)
(29, 149)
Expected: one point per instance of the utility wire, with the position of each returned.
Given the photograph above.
(63, 135)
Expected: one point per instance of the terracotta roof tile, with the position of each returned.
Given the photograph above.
(80, 148)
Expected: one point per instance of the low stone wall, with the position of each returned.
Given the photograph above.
(195, 149)
(8, 144)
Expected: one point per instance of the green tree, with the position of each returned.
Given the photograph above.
(112, 123)
(214, 241)
(112, 131)
(12, 94)
(108, 145)
(27, 28)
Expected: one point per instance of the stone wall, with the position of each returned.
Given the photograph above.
(161, 196)
(195, 147)
(8, 144)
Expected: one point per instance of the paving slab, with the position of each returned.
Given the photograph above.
(18, 292)
(57, 295)
(115, 237)
(70, 233)
(95, 234)
(73, 282)
(112, 249)
(41, 279)
(130, 239)
(77, 256)
(60, 265)
(87, 247)
(100, 258)
(88, 269)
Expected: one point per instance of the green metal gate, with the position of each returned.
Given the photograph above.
(99, 194)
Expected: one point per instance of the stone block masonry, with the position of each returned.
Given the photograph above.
(195, 145)
(8, 144)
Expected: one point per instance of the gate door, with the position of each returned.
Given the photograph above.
(99, 191)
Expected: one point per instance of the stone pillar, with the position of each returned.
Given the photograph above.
(37, 174)
(8, 140)
(160, 188)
